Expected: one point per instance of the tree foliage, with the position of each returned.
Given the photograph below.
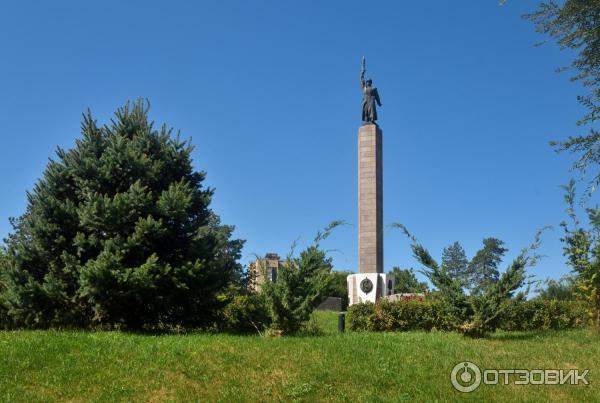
(118, 232)
(582, 248)
(405, 281)
(575, 25)
(302, 283)
(338, 287)
(563, 289)
(475, 315)
(456, 264)
(483, 268)
(245, 313)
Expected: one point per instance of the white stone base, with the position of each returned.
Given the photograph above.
(383, 284)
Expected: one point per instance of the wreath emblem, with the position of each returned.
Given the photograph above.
(366, 285)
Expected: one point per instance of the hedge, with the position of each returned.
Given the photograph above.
(545, 314)
(430, 315)
(398, 316)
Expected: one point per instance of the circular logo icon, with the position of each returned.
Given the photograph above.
(366, 286)
(465, 377)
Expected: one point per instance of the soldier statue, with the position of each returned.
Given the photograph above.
(370, 97)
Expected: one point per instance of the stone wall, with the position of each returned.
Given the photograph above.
(331, 304)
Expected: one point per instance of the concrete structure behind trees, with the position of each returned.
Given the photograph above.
(263, 270)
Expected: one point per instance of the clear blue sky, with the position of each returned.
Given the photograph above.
(268, 90)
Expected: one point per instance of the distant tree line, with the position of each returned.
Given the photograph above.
(475, 275)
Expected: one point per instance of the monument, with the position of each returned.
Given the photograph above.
(370, 283)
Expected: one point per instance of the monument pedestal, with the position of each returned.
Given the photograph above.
(369, 287)
(370, 199)
(370, 283)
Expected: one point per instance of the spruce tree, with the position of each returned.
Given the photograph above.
(119, 232)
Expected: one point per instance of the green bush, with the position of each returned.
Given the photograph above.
(302, 284)
(477, 313)
(432, 315)
(399, 316)
(358, 316)
(544, 314)
(246, 314)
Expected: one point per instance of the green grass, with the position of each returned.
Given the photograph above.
(414, 366)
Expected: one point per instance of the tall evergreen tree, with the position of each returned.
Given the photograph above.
(456, 264)
(119, 232)
(483, 268)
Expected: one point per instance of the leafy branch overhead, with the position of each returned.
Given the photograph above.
(575, 25)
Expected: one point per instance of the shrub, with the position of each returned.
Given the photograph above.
(399, 316)
(358, 316)
(478, 313)
(411, 297)
(302, 284)
(544, 314)
(246, 314)
(433, 315)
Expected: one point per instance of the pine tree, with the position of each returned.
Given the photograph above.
(483, 268)
(456, 264)
(119, 232)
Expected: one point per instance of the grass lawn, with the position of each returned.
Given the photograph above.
(414, 366)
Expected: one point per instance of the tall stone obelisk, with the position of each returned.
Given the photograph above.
(371, 283)
(370, 199)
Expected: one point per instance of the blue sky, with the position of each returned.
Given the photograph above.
(268, 91)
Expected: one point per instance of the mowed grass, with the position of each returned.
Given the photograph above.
(413, 366)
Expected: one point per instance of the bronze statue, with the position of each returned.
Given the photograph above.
(370, 96)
